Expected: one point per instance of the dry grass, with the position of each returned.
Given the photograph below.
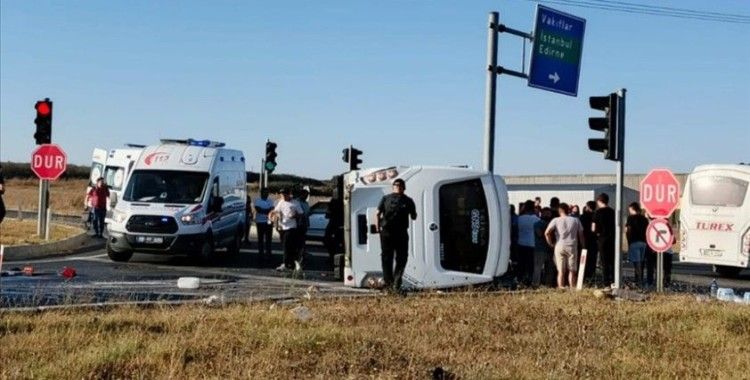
(66, 196)
(545, 334)
(22, 232)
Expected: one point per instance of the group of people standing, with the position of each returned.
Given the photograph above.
(549, 241)
(291, 216)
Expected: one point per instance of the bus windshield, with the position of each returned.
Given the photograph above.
(166, 186)
(464, 226)
(718, 191)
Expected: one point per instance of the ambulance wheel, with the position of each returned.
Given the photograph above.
(236, 244)
(206, 252)
(118, 256)
(725, 271)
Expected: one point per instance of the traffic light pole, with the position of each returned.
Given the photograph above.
(618, 189)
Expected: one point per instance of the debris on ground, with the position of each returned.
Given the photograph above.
(214, 300)
(188, 282)
(68, 272)
(302, 313)
(28, 270)
(312, 289)
(629, 295)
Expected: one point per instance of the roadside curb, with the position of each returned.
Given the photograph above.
(76, 244)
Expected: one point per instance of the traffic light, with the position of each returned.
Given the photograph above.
(43, 121)
(354, 159)
(607, 124)
(351, 156)
(346, 153)
(270, 164)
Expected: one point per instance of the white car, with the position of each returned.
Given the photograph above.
(318, 221)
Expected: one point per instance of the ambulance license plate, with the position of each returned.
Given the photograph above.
(149, 239)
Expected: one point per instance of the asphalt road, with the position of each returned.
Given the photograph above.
(243, 277)
(144, 278)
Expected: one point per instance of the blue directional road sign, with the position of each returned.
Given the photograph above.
(556, 58)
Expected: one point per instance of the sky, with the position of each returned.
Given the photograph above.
(403, 81)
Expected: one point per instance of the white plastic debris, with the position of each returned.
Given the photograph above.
(725, 294)
(302, 313)
(188, 282)
(747, 298)
(214, 300)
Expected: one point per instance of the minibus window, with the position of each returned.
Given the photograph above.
(464, 226)
(166, 186)
(717, 191)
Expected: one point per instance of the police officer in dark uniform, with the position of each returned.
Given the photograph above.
(392, 222)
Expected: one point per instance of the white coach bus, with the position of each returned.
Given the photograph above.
(715, 218)
(461, 235)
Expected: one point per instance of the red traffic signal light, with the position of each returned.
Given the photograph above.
(43, 121)
(43, 107)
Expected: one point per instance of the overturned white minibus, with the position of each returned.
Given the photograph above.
(460, 237)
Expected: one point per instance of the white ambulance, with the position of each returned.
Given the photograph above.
(715, 218)
(114, 166)
(182, 197)
(461, 235)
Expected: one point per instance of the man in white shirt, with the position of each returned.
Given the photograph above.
(526, 242)
(565, 233)
(286, 213)
(263, 206)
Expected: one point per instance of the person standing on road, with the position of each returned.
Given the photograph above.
(248, 218)
(97, 197)
(541, 250)
(333, 238)
(603, 227)
(392, 221)
(263, 206)
(2, 191)
(286, 213)
(635, 232)
(565, 233)
(587, 218)
(526, 242)
(303, 222)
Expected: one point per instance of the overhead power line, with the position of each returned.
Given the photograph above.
(633, 8)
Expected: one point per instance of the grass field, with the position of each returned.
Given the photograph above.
(545, 334)
(66, 196)
(21, 232)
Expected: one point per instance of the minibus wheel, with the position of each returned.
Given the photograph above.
(726, 271)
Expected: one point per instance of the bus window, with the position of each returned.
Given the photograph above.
(464, 226)
(718, 191)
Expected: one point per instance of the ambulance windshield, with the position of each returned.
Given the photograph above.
(166, 186)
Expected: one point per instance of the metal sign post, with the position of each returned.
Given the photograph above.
(555, 63)
(489, 105)
(659, 237)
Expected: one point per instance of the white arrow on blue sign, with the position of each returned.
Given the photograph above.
(556, 55)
